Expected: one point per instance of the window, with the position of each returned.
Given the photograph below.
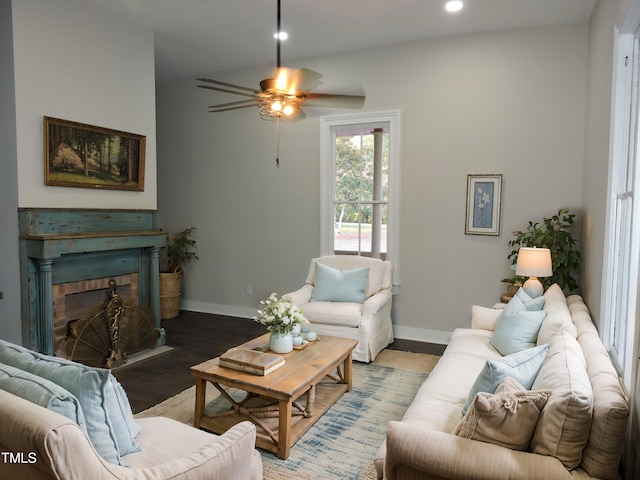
(623, 233)
(359, 175)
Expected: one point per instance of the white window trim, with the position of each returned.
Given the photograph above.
(327, 166)
(625, 135)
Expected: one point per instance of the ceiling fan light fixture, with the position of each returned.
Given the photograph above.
(289, 109)
(281, 35)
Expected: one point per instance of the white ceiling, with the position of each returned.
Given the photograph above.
(197, 37)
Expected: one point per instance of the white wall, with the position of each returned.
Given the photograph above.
(70, 60)
(76, 62)
(510, 102)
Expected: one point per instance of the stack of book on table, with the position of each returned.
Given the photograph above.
(251, 361)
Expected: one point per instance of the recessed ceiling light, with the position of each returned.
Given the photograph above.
(282, 35)
(453, 6)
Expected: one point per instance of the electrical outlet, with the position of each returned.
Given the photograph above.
(248, 289)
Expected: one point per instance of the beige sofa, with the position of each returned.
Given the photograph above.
(39, 440)
(367, 320)
(580, 431)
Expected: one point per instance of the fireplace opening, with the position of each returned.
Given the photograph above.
(99, 323)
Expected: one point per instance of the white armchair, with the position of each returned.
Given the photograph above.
(368, 322)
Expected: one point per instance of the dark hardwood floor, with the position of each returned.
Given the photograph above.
(194, 338)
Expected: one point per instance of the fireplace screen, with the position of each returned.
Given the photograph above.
(112, 330)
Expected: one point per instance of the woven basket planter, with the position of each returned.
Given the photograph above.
(170, 292)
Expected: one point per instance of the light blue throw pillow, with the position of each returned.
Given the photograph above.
(531, 304)
(42, 392)
(109, 420)
(523, 367)
(517, 331)
(332, 285)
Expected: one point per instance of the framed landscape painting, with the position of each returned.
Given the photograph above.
(85, 156)
(484, 194)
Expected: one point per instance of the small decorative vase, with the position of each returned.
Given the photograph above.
(281, 342)
(295, 330)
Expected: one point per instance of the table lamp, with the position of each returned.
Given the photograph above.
(533, 263)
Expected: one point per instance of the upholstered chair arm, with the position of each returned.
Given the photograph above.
(416, 452)
(301, 296)
(55, 447)
(375, 303)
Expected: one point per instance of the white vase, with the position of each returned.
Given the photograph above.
(281, 342)
(295, 330)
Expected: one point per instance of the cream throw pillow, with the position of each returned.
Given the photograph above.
(558, 317)
(507, 418)
(484, 317)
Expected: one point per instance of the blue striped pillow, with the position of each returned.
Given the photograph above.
(110, 424)
(42, 392)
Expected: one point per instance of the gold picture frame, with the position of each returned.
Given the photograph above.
(85, 156)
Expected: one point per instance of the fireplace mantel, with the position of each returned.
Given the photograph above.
(66, 245)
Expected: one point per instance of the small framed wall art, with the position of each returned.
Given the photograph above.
(484, 195)
(85, 156)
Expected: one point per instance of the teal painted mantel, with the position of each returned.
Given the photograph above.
(69, 245)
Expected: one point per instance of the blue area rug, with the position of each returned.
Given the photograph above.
(343, 442)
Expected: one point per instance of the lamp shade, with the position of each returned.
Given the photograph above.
(534, 262)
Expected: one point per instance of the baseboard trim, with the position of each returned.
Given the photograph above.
(426, 335)
(440, 337)
(214, 308)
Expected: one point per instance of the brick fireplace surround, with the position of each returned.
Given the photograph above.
(59, 247)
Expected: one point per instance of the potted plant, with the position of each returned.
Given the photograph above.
(280, 316)
(552, 233)
(179, 251)
(513, 284)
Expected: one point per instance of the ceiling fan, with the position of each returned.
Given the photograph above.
(281, 97)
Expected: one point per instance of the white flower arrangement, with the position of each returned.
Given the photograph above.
(279, 315)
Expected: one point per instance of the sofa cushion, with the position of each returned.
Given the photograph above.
(333, 313)
(507, 418)
(110, 424)
(601, 455)
(563, 428)
(333, 285)
(517, 330)
(42, 392)
(485, 318)
(558, 316)
(522, 366)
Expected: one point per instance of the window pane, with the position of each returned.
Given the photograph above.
(355, 233)
(361, 188)
(348, 168)
(621, 276)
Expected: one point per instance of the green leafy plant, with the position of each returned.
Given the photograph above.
(552, 233)
(180, 249)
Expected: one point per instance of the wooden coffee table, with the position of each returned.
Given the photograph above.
(285, 403)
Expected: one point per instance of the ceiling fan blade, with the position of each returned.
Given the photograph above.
(328, 100)
(298, 116)
(218, 89)
(293, 81)
(305, 79)
(225, 84)
(214, 109)
(247, 103)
